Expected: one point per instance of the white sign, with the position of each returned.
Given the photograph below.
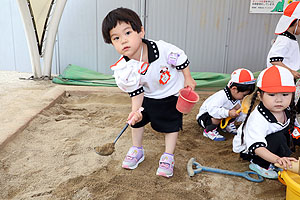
(269, 6)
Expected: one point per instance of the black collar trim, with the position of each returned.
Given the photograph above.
(269, 116)
(229, 95)
(126, 58)
(289, 35)
(153, 53)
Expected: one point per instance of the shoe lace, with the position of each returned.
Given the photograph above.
(129, 157)
(231, 125)
(164, 165)
(215, 132)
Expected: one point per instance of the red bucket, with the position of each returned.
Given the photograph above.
(186, 100)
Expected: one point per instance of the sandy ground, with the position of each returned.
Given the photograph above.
(53, 157)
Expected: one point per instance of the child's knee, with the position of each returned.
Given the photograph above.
(215, 121)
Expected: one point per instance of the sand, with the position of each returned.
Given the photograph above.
(54, 156)
(106, 149)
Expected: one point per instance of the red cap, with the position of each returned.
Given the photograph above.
(241, 76)
(291, 12)
(276, 79)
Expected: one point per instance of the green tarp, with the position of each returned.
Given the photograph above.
(75, 75)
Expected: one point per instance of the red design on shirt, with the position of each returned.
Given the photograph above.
(164, 77)
(296, 133)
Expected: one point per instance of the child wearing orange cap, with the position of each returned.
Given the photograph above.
(225, 103)
(285, 50)
(264, 136)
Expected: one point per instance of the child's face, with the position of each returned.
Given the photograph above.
(126, 41)
(292, 29)
(238, 95)
(298, 29)
(276, 102)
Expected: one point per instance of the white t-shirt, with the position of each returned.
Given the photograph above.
(218, 104)
(260, 124)
(286, 50)
(161, 78)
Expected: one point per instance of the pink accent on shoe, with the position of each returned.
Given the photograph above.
(166, 165)
(163, 174)
(125, 166)
(213, 135)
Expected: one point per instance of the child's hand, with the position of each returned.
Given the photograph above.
(190, 83)
(285, 161)
(232, 113)
(135, 116)
(295, 74)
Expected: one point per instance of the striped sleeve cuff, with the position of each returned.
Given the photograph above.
(276, 59)
(184, 65)
(255, 146)
(136, 92)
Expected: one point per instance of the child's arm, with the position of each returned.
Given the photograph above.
(136, 103)
(188, 79)
(295, 73)
(265, 154)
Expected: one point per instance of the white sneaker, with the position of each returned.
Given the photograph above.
(213, 135)
(231, 128)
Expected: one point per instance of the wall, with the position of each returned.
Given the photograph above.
(217, 35)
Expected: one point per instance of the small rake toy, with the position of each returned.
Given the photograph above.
(199, 168)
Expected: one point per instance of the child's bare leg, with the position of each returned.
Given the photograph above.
(135, 155)
(166, 162)
(170, 142)
(214, 124)
(137, 136)
(215, 121)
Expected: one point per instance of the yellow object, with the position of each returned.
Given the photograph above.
(292, 182)
(244, 108)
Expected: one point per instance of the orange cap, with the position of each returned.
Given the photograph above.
(291, 12)
(241, 76)
(276, 79)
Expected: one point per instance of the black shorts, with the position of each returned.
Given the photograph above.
(162, 114)
(204, 120)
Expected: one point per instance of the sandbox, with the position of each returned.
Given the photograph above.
(52, 157)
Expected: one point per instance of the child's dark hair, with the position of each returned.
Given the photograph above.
(120, 15)
(249, 111)
(293, 23)
(293, 112)
(244, 87)
(292, 115)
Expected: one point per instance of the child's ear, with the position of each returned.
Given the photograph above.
(234, 88)
(258, 95)
(142, 33)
